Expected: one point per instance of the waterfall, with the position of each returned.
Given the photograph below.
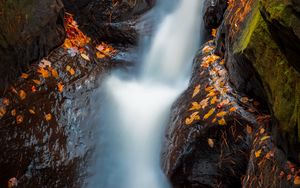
(137, 107)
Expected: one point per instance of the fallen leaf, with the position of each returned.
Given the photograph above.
(222, 62)
(212, 93)
(37, 82)
(14, 112)
(196, 90)
(5, 101)
(22, 94)
(192, 118)
(43, 72)
(100, 55)
(214, 120)
(214, 32)
(44, 63)
(33, 89)
(48, 117)
(2, 111)
(258, 153)
(31, 111)
(210, 112)
(297, 180)
(24, 75)
(209, 88)
(84, 56)
(207, 49)
(244, 99)
(204, 103)
(232, 109)
(70, 70)
(221, 114)
(54, 73)
(210, 142)
(249, 129)
(262, 131)
(214, 100)
(222, 122)
(265, 138)
(60, 87)
(19, 119)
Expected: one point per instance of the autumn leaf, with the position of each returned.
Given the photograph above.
(37, 82)
(222, 62)
(43, 72)
(44, 63)
(195, 106)
(84, 56)
(5, 101)
(214, 100)
(210, 112)
(19, 119)
(14, 112)
(31, 111)
(33, 89)
(70, 70)
(258, 153)
(297, 180)
(207, 49)
(2, 111)
(265, 138)
(196, 90)
(212, 93)
(54, 73)
(24, 75)
(222, 122)
(221, 114)
(214, 120)
(48, 117)
(232, 109)
(209, 88)
(249, 129)
(214, 32)
(22, 94)
(60, 87)
(244, 99)
(204, 103)
(193, 117)
(210, 142)
(262, 131)
(100, 55)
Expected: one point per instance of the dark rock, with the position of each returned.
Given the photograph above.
(29, 30)
(213, 13)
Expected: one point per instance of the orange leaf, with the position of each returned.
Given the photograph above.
(222, 121)
(33, 89)
(100, 55)
(214, 100)
(262, 131)
(195, 106)
(22, 94)
(196, 90)
(54, 73)
(37, 82)
(210, 142)
(249, 129)
(84, 56)
(24, 75)
(14, 112)
(207, 49)
(44, 73)
(70, 70)
(258, 153)
(221, 114)
(48, 117)
(210, 112)
(192, 118)
(2, 112)
(214, 32)
(19, 119)
(209, 88)
(60, 87)
(31, 111)
(232, 109)
(297, 180)
(5, 101)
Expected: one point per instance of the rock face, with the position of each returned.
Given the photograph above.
(259, 41)
(29, 30)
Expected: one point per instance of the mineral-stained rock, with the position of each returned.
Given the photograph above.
(29, 30)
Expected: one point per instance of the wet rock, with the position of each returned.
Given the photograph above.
(213, 13)
(29, 31)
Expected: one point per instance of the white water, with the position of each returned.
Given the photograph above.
(137, 109)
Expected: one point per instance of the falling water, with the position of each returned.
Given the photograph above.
(137, 108)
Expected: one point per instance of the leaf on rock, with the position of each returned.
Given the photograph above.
(214, 100)
(195, 106)
(210, 112)
(2, 111)
(14, 112)
(70, 70)
(31, 111)
(210, 142)
(60, 87)
(196, 90)
(207, 49)
(297, 180)
(44, 63)
(33, 89)
(37, 82)
(48, 117)
(232, 109)
(22, 94)
(54, 73)
(43, 72)
(222, 122)
(221, 114)
(100, 55)
(5, 101)
(262, 131)
(204, 103)
(265, 138)
(249, 129)
(84, 56)
(193, 117)
(258, 153)
(19, 119)
(24, 75)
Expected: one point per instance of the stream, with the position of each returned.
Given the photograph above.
(137, 106)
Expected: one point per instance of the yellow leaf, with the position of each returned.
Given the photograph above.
(210, 112)
(24, 75)
(192, 118)
(196, 90)
(258, 153)
(48, 117)
(19, 119)
(31, 111)
(214, 120)
(2, 112)
(212, 93)
(249, 129)
(214, 32)
(265, 138)
(37, 82)
(43, 72)
(54, 73)
(204, 103)
(84, 56)
(222, 62)
(214, 100)
(262, 131)
(232, 109)
(70, 70)
(297, 180)
(221, 114)
(195, 106)
(22, 94)
(100, 55)
(60, 87)
(68, 44)
(210, 142)
(207, 49)
(209, 88)
(222, 121)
